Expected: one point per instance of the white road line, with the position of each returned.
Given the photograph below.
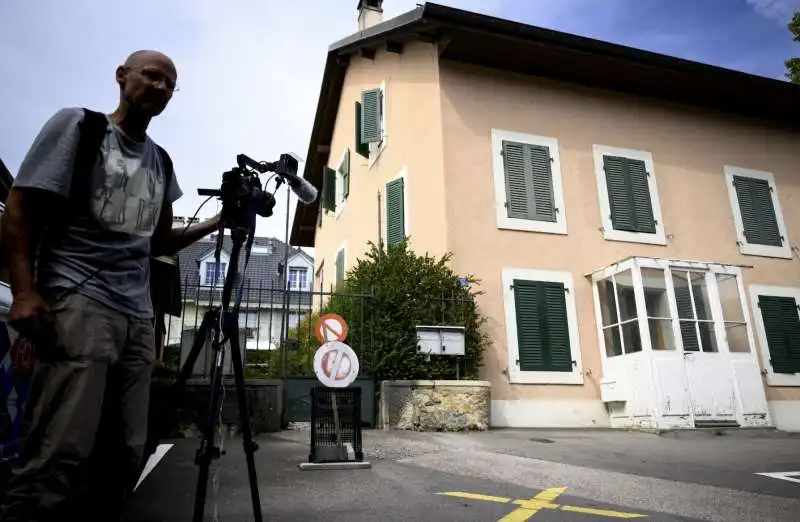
(154, 459)
(783, 475)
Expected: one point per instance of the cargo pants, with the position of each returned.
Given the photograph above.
(86, 416)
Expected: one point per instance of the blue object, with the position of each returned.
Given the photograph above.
(16, 366)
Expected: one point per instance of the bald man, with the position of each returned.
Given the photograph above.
(87, 306)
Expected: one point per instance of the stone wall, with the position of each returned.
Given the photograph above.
(435, 405)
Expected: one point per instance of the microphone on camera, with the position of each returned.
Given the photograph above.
(305, 191)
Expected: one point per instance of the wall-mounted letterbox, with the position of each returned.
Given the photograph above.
(440, 340)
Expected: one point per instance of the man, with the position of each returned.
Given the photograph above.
(87, 306)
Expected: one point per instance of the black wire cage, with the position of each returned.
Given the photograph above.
(336, 425)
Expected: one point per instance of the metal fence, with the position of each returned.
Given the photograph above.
(276, 330)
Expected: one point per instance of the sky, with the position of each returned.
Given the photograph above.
(249, 71)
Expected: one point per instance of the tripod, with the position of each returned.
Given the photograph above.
(242, 200)
(226, 322)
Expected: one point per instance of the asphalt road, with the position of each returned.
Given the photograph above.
(486, 477)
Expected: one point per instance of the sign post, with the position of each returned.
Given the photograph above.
(336, 366)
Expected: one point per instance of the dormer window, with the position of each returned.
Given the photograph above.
(298, 278)
(213, 273)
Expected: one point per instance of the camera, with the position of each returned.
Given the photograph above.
(241, 189)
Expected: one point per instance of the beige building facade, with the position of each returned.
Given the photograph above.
(634, 226)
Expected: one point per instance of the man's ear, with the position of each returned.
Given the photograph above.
(121, 76)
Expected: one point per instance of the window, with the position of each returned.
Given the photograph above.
(757, 213)
(620, 324)
(214, 272)
(628, 196)
(777, 311)
(371, 123)
(541, 327)
(527, 179)
(646, 304)
(396, 210)
(320, 276)
(336, 185)
(298, 278)
(340, 266)
(694, 313)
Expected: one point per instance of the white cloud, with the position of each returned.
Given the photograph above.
(779, 10)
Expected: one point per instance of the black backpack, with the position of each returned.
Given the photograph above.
(165, 285)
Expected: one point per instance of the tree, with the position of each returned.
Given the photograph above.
(384, 296)
(793, 64)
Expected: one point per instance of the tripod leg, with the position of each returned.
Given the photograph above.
(244, 418)
(208, 448)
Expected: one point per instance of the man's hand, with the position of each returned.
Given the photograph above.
(31, 317)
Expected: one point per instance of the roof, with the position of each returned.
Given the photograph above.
(262, 282)
(502, 44)
(6, 180)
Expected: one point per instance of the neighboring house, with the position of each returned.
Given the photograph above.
(6, 180)
(633, 218)
(261, 311)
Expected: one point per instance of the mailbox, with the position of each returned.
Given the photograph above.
(440, 340)
(429, 341)
(452, 340)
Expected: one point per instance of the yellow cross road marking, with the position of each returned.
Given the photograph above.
(544, 500)
(528, 508)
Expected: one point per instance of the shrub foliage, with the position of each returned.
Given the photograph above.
(384, 296)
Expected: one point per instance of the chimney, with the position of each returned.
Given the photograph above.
(370, 13)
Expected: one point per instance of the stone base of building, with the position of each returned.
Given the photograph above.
(436, 405)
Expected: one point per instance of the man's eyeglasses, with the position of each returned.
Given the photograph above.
(156, 76)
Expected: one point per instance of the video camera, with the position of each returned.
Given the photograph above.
(243, 195)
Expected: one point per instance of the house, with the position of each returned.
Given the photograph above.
(634, 218)
(6, 180)
(263, 298)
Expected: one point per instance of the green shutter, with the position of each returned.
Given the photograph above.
(328, 189)
(629, 195)
(683, 301)
(758, 213)
(362, 149)
(339, 268)
(371, 131)
(529, 182)
(782, 329)
(344, 170)
(395, 212)
(542, 326)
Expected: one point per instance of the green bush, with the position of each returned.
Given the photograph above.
(384, 296)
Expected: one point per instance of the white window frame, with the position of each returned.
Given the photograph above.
(659, 238)
(773, 379)
(517, 376)
(298, 269)
(498, 168)
(223, 258)
(376, 149)
(402, 174)
(341, 202)
(635, 265)
(342, 248)
(784, 251)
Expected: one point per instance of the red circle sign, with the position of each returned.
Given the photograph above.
(330, 327)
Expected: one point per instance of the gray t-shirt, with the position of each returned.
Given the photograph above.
(107, 254)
